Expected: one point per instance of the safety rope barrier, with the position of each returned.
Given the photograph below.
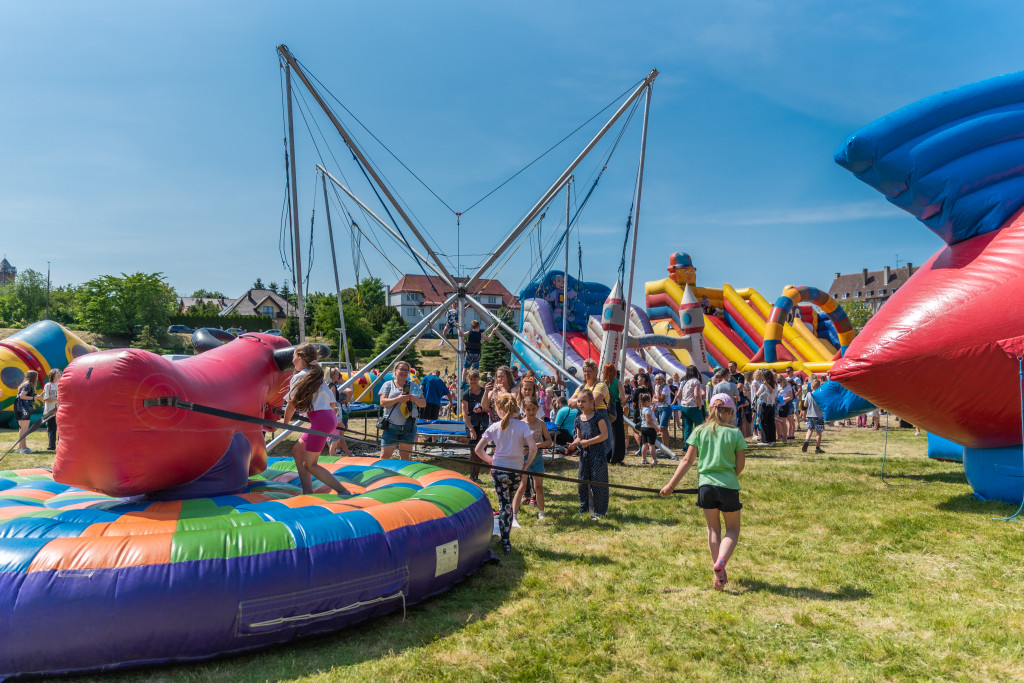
(176, 402)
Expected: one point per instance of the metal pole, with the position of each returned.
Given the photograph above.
(47, 317)
(295, 209)
(414, 330)
(397, 235)
(636, 228)
(562, 179)
(283, 50)
(460, 356)
(337, 283)
(565, 273)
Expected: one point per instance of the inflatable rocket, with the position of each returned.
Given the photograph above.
(613, 325)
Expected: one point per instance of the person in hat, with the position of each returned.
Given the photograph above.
(720, 452)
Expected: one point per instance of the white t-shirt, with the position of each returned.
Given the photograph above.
(663, 394)
(49, 396)
(647, 418)
(394, 413)
(511, 445)
(687, 400)
(323, 399)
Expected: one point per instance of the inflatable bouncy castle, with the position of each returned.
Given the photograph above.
(805, 329)
(945, 351)
(41, 346)
(165, 533)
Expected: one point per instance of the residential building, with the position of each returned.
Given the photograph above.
(416, 296)
(7, 271)
(260, 302)
(257, 302)
(872, 287)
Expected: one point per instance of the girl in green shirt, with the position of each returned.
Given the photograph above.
(720, 451)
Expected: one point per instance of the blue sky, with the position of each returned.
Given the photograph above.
(148, 136)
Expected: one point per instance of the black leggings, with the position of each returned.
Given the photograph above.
(768, 423)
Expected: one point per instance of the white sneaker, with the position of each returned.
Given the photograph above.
(515, 523)
(540, 515)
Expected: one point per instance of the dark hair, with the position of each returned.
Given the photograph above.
(309, 386)
(692, 373)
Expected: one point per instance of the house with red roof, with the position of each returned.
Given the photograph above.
(416, 296)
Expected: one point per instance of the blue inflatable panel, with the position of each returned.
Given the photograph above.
(940, 448)
(839, 403)
(585, 298)
(996, 473)
(952, 160)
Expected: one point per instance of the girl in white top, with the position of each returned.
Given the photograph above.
(308, 393)
(50, 406)
(514, 448)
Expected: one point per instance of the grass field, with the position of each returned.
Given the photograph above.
(837, 576)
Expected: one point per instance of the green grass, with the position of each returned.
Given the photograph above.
(837, 576)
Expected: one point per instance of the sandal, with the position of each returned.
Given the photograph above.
(721, 578)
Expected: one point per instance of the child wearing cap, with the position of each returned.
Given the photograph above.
(720, 451)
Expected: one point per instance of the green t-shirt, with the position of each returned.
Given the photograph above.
(716, 455)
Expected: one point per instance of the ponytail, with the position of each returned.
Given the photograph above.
(308, 387)
(507, 405)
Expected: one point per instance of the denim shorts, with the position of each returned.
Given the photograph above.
(664, 414)
(816, 423)
(404, 433)
(472, 361)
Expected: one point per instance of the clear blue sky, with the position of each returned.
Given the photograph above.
(148, 136)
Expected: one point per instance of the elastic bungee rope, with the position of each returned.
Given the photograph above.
(1020, 376)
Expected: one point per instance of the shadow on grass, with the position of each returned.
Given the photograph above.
(968, 503)
(938, 477)
(575, 558)
(801, 592)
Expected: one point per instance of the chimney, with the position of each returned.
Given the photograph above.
(885, 275)
(837, 275)
(865, 277)
(910, 268)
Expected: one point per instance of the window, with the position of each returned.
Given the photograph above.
(492, 299)
(846, 295)
(268, 310)
(410, 312)
(856, 295)
(870, 292)
(881, 292)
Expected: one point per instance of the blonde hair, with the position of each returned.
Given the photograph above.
(507, 405)
(719, 416)
(529, 401)
(590, 364)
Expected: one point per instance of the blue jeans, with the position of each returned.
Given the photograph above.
(405, 433)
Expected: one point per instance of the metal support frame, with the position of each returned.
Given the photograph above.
(636, 227)
(562, 180)
(461, 295)
(384, 224)
(416, 330)
(343, 339)
(287, 55)
(295, 210)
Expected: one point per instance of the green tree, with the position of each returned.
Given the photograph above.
(128, 304)
(858, 312)
(64, 305)
(207, 294)
(23, 301)
(272, 287)
(394, 329)
(493, 353)
(379, 316)
(371, 293)
(204, 308)
(258, 284)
